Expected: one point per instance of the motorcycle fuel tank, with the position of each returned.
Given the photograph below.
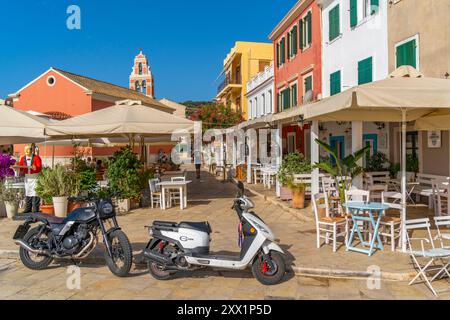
(81, 215)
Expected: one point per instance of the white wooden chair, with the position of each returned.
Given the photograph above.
(329, 188)
(328, 227)
(440, 197)
(174, 195)
(256, 170)
(357, 195)
(425, 259)
(376, 183)
(440, 223)
(390, 227)
(155, 193)
(376, 191)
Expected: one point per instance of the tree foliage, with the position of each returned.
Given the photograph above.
(217, 116)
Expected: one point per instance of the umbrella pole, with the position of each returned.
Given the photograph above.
(403, 179)
(53, 156)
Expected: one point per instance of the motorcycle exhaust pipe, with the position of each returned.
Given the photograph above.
(157, 257)
(25, 245)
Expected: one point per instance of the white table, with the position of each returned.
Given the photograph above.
(267, 174)
(410, 186)
(168, 185)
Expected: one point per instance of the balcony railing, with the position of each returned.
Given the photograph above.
(227, 82)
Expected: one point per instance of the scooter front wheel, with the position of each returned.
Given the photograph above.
(269, 272)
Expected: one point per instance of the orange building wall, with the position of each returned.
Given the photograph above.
(64, 96)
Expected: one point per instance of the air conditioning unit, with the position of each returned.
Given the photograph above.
(308, 97)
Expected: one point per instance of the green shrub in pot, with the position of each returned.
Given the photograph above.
(292, 164)
(124, 174)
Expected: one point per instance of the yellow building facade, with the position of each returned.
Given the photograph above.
(244, 61)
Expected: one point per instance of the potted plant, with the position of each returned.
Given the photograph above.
(84, 181)
(123, 177)
(58, 184)
(298, 192)
(347, 167)
(294, 163)
(6, 161)
(377, 162)
(11, 197)
(47, 205)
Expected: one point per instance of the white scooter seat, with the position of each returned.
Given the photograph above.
(200, 226)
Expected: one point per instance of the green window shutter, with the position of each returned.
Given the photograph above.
(334, 23)
(278, 54)
(374, 4)
(294, 95)
(406, 54)
(353, 13)
(335, 83)
(308, 84)
(309, 22)
(301, 34)
(294, 42)
(287, 98)
(365, 71)
(278, 106)
(283, 50)
(289, 53)
(400, 55)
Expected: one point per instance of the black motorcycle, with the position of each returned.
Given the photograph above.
(75, 237)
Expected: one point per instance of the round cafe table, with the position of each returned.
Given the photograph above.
(371, 212)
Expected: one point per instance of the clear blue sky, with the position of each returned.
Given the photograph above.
(185, 41)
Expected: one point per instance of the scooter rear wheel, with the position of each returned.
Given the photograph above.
(264, 273)
(157, 271)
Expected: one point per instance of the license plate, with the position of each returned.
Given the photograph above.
(21, 231)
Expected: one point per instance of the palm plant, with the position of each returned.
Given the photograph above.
(347, 167)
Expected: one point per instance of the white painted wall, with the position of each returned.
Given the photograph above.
(368, 38)
(260, 96)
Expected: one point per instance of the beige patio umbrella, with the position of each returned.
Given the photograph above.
(438, 120)
(120, 121)
(406, 95)
(17, 126)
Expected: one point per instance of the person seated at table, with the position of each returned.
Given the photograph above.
(162, 158)
(90, 163)
(99, 165)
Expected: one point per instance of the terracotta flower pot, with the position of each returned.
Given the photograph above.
(11, 209)
(285, 194)
(60, 205)
(47, 209)
(298, 199)
(73, 206)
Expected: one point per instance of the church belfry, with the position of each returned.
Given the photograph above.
(141, 78)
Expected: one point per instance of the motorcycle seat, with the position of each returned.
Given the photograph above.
(46, 217)
(200, 226)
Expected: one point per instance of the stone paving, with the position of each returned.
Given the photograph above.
(211, 200)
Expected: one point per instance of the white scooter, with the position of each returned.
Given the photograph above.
(185, 246)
